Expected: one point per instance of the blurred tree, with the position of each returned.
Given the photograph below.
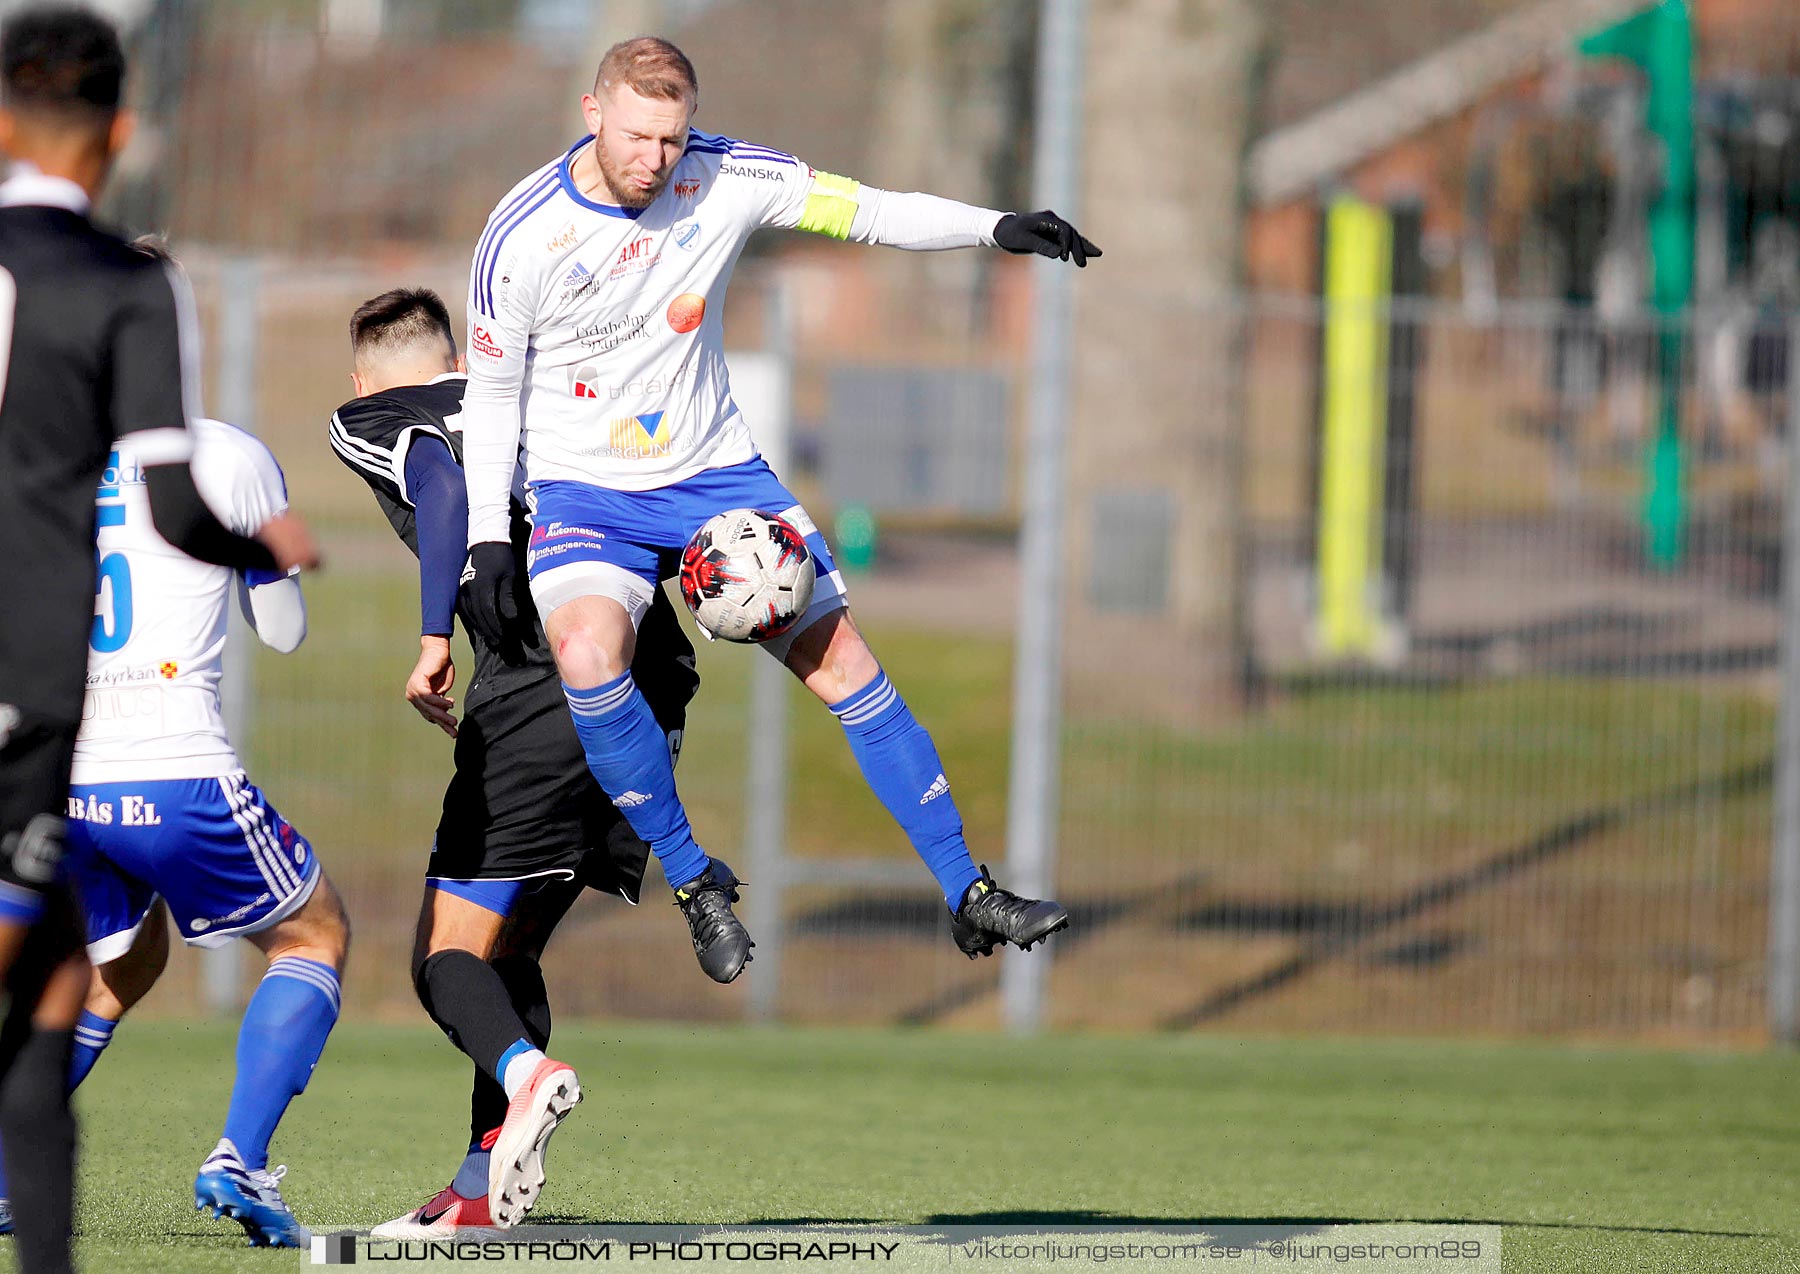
(953, 117)
(1172, 89)
(160, 36)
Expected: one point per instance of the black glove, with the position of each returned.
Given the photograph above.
(489, 606)
(1046, 233)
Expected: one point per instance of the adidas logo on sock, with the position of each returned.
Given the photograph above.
(632, 799)
(940, 786)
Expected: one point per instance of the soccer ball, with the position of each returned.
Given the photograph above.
(746, 575)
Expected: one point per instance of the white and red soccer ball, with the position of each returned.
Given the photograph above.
(746, 575)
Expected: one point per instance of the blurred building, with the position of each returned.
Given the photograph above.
(1533, 172)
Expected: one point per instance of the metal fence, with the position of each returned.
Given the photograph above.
(1536, 793)
(1539, 798)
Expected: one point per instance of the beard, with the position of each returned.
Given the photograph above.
(624, 193)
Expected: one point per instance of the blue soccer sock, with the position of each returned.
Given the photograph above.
(92, 1034)
(471, 1180)
(900, 764)
(628, 755)
(279, 1043)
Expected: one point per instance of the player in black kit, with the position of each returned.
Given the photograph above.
(524, 828)
(92, 338)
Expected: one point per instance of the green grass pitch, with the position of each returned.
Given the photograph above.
(1591, 1158)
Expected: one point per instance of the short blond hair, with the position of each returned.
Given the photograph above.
(651, 66)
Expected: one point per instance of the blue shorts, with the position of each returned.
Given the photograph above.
(498, 896)
(595, 541)
(221, 856)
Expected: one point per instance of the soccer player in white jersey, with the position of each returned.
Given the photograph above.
(161, 815)
(596, 348)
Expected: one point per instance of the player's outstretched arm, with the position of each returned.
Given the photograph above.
(842, 208)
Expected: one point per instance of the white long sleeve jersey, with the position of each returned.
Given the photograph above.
(156, 650)
(596, 343)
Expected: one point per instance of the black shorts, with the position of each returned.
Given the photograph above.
(35, 753)
(523, 805)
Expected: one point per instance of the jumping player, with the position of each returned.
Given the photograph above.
(596, 345)
(524, 827)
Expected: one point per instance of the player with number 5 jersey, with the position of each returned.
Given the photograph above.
(163, 819)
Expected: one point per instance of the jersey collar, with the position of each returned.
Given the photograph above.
(441, 377)
(26, 186)
(568, 184)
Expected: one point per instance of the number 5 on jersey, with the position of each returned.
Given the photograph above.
(112, 587)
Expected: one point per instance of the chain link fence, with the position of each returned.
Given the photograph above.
(1536, 794)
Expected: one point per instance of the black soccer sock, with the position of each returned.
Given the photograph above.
(467, 999)
(524, 981)
(38, 1129)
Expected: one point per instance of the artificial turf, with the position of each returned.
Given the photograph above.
(1590, 1158)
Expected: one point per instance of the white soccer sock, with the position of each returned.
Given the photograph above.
(519, 1069)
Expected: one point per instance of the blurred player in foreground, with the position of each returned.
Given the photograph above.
(596, 302)
(525, 828)
(92, 338)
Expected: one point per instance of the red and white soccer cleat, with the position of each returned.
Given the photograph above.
(446, 1214)
(516, 1171)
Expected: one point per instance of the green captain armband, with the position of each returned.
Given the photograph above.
(830, 206)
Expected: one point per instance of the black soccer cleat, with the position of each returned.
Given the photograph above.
(720, 939)
(990, 915)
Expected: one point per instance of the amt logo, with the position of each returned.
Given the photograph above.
(632, 251)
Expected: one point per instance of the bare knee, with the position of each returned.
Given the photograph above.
(592, 639)
(319, 931)
(450, 923)
(832, 658)
(447, 924)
